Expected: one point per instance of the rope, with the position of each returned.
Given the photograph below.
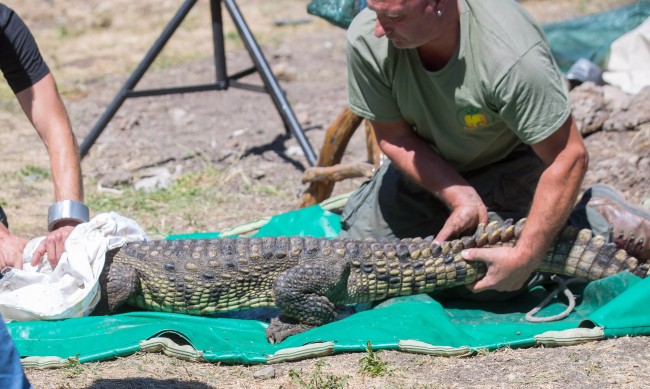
(562, 287)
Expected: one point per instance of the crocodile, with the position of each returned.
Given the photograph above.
(307, 278)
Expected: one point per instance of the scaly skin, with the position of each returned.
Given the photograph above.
(308, 277)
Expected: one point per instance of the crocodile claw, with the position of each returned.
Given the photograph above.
(282, 327)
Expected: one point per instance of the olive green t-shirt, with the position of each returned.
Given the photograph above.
(501, 88)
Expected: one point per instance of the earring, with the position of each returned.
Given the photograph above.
(439, 13)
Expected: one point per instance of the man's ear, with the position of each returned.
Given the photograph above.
(439, 5)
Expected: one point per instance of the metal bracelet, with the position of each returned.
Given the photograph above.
(67, 210)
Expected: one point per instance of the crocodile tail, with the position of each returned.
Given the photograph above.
(574, 252)
(579, 253)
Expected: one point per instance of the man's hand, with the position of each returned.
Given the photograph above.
(53, 244)
(467, 211)
(507, 268)
(415, 157)
(11, 250)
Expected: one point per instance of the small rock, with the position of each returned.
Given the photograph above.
(588, 107)
(116, 177)
(284, 72)
(238, 133)
(157, 178)
(633, 114)
(615, 99)
(265, 373)
(295, 151)
(179, 116)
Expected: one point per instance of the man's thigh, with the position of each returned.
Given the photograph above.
(391, 205)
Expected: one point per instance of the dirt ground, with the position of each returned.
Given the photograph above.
(92, 46)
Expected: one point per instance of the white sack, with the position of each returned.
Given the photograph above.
(628, 65)
(72, 288)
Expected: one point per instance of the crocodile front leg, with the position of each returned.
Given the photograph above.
(305, 293)
(118, 282)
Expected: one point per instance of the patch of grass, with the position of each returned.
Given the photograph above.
(232, 37)
(595, 368)
(166, 61)
(482, 352)
(68, 32)
(262, 189)
(8, 102)
(318, 380)
(34, 172)
(190, 197)
(372, 364)
(74, 367)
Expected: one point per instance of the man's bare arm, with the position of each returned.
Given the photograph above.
(566, 161)
(44, 108)
(412, 155)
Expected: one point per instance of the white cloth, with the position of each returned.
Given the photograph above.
(627, 66)
(71, 289)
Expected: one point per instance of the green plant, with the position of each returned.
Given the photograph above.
(372, 364)
(318, 380)
(189, 198)
(35, 172)
(74, 367)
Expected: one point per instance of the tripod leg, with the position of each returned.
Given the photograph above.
(271, 83)
(218, 45)
(135, 77)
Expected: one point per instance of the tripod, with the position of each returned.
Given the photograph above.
(223, 80)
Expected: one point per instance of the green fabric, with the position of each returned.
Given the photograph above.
(455, 324)
(314, 221)
(414, 323)
(494, 93)
(590, 36)
(338, 12)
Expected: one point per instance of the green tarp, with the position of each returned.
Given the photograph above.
(612, 307)
(590, 36)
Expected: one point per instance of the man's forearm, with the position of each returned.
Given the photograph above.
(420, 163)
(66, 172)
(44, 108)
(554, 199)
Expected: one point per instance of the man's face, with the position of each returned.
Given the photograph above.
(406, 23)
